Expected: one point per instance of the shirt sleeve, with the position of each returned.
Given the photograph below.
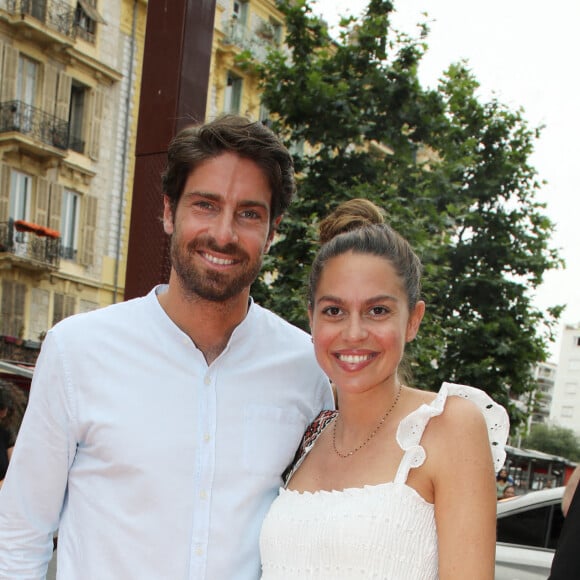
(32, 494)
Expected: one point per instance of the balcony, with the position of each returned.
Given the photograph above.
(47, 21)
(34, 128)
(239, 36)
(32, 246)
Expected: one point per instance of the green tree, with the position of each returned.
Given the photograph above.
(554, 440)
(452, 173)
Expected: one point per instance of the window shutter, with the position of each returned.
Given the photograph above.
(96, 122)
(40, 211)
(49, 89)
(89, 229)
(13, 295)
(63, 96)
(4, 192)
(57, 308)
(55, 206)
(69, 305)
(9, 73)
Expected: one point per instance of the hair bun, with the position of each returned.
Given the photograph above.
(348, 216)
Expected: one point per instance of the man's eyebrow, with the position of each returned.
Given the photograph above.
(212, 196)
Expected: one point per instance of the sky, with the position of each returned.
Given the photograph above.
(524, 53)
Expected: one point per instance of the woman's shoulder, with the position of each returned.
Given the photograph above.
(466, 415)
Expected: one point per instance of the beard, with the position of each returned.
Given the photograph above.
(212, 285)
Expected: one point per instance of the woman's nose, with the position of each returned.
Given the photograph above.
(355, 328)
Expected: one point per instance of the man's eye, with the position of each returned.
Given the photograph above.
(250, 214)
(203, 205)
(379, 310)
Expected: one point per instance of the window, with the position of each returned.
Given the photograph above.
(567, 412)
(240, 11)
(76, 140)
(63, 306)
(277, 28)
(574, 365)
(538, 526)
(571, 388)
(20, 193)
(85, 20)
(233, 95)
(26, 92)
(69, 225)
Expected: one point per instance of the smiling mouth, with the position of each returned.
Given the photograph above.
(354, 358)
(217, 261)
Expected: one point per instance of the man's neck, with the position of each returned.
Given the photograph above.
(209, 324)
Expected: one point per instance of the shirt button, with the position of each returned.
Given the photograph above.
(199, 551)
(203, 494)
(206, 437)
(207, 380)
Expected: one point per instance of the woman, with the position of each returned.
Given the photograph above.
(398, 483)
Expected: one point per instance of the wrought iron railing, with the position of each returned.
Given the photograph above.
(42, 249)
(55, 14)
(238, 34)
(28, 120)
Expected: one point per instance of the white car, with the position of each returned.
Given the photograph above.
(528, 528)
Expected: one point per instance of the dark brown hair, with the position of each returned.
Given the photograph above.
(231, 133)
(358, 226)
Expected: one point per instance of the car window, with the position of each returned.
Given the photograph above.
(538, 527)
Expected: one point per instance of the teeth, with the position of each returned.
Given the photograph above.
(353, 358)
(218, 261)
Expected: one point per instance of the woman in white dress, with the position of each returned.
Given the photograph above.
(399, 483)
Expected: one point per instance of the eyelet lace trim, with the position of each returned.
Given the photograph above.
(411, 428)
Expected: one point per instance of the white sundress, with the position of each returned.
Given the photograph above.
(384, 531)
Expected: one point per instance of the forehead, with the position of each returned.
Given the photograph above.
(359, 276)
(231, 178)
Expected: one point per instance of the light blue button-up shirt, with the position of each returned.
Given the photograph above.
(152, 464)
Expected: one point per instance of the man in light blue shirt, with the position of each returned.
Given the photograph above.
(158, 429)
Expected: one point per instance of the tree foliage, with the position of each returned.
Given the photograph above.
(554, 440)
(452, 173)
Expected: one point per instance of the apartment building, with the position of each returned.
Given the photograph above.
(254, 26)
(70, 73)
(565, 409)
(69, 92)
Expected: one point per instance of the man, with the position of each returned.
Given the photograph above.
(158, 429)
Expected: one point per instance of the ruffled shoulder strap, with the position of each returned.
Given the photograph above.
(411, 428)
(310, 436)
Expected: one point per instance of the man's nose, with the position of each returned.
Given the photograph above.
(224, 230)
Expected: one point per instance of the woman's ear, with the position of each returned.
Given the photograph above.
(414, 321)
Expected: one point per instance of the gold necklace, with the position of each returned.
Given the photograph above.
(373, 433)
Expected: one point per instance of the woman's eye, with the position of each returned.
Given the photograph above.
(332, 311)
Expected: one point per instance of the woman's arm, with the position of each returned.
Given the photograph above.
(570, 489)
(464, 492)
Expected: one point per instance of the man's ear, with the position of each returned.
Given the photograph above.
(273, 230)
(168, 217)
